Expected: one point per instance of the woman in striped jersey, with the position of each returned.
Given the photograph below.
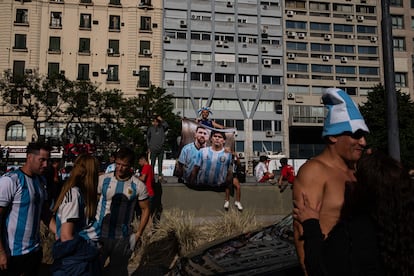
(75, 252)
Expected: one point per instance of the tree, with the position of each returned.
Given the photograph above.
(374, 112)
(35, 96)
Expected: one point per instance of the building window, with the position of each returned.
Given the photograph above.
(144, 76)
(52, 69)
(318, 47)
(348, 49)
(85, 21)
(266, 146)
(54, 44)
(412, 4)
(321, 68)
(396, 3)
(113, 47)
(84, 45)
(297, 67)
(86, 1)
(22, 16)
(145, 3)
(397, 21)
(275, 80)
(18, 70)
(56, 20)
(300, 46)
(248, 79)
(343, 28)
(114, 23)
(400, 80)
(367, 50)
(342, 7)
(366, 29)
(345, 69)
(295, 25)
(314, 26)
(113, 73)
(83, 72)
(15, 131)
(115, 2)
(368, 70)
(144, 47)
(399, 44)
(145, 23)
(20, 42)
(412, 22)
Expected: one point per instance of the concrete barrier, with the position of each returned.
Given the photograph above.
(263, 200)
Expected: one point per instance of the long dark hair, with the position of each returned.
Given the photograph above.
(388, 192)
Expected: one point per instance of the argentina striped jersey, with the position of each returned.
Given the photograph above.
(24, 196)
(188, 157)
(214, 166)
(72, 209)
(117, 204)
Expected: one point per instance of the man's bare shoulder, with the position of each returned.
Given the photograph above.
(313, 166)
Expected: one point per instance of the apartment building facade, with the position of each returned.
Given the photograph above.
(228, 55)
(327, 44)
(113, 43)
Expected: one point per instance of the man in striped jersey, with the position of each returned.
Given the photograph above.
(119, 192)
(212, 165)
(22, 194)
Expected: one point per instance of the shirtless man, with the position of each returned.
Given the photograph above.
(323, 178)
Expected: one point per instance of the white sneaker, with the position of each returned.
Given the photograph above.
(226, 205)
(238, 205)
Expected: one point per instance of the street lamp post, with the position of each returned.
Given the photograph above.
(389, 78)
(184, 73)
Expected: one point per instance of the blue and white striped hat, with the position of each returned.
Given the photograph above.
(343, 114)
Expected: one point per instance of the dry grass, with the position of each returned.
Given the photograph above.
(190, 234)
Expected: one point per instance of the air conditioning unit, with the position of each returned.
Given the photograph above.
(290, 13)
(342, 80)
(267, 62)
(349, 17)
(373, 39)
(218, 85)
(170, 83)
(291, 96)
(229, 4)
(194, 17)
(301, 35)
(200, 62)
(104, 71)
(269, 133)
(350, 36)
(344, 59)
(110, 51)
(183, 24)
(180, 62)
(135, 72)
(230, 85)
(291, 56)
(327, 36)
(291, 76)
(240, 154)
(223, 64)
(220, 43)
(264, 49)
(146, 52)
(167, 39)
(325, 58)
(254, 86)
(360, 18)
(291, 34)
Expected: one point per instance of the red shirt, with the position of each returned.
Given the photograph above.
(149, 178)
(288, 173)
